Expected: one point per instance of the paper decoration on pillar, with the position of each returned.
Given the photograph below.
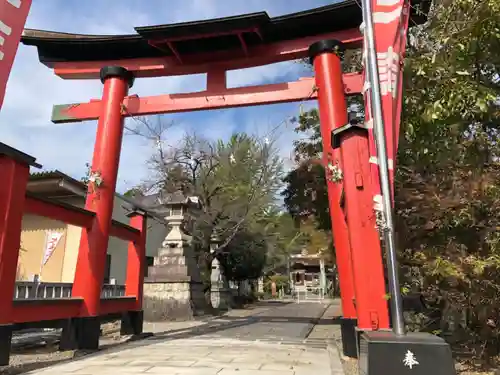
(51, 242)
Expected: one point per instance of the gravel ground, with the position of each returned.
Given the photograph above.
(44, 352)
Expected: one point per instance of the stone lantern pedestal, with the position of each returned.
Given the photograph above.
(173, 289)
(220, 293)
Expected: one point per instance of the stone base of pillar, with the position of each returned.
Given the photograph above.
(5, 343)
(221, 298)
(173, 289)
(173, 300)
(81, 333)
(132, 323)
(415, 353)
(349, 337)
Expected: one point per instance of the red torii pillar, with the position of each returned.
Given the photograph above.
(90, 267)
(359, 256)
(333, 114)
(132, 321)
(14, 169)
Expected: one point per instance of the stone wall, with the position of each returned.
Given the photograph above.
(173, 301)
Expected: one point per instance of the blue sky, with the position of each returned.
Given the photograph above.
(33, 89)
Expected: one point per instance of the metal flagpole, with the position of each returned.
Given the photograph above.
(380, 139)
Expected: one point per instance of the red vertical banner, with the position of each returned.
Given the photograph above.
(13, 14)
(390, 20)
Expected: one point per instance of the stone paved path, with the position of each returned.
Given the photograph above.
(271, 341)
(283, 322)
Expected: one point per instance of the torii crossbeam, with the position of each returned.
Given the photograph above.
(217, 96)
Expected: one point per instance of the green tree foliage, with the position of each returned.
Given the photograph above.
(447, 185)
(305, 194)
(233, 180)
(283, 238)
(235, 184)
(245, 256)
(132, 192)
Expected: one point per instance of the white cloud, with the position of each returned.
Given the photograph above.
(274, 73)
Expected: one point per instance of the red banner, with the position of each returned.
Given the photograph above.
(13, 14)
(51, 242)
(390, 21)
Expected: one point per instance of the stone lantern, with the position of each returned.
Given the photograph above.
(173, 288)
(220, 293)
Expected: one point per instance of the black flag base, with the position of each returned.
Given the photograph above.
(384, 353)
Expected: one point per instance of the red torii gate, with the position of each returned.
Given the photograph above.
(214, 47)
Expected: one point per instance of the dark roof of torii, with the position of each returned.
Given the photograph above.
(202, 36)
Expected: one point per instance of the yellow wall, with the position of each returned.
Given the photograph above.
(118, 249)
(72, 243)
(73, 235)
(61, 265)
(33, 240)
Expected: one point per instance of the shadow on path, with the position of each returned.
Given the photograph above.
(263, 325)
(293, 321)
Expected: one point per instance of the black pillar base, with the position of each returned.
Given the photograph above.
(5, 343)
(68, 336)
(81, 333)
(384, 353)
(349, 339)
(132, 323)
